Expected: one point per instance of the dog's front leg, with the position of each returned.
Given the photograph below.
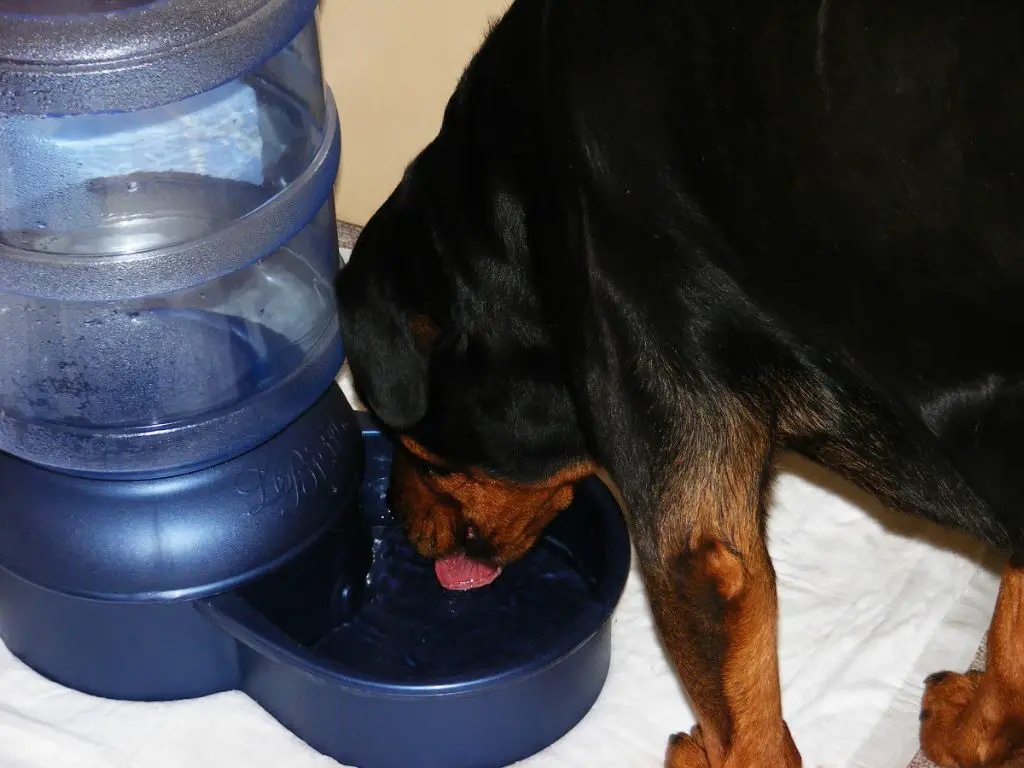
(712, 590)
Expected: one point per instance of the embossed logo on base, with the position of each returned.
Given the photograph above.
(280, 486)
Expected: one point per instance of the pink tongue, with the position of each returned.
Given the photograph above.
(458, 572)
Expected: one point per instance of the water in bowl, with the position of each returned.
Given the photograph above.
(366, 602)
(411, 630)
(173, 382)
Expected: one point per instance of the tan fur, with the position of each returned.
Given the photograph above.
(510, 516)
(713, 558)
(973, 720)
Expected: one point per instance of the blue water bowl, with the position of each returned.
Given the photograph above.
(340, 642)
(380, 667)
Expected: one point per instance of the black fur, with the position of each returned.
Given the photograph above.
(638, 212)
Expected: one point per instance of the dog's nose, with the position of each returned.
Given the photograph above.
(475, 546)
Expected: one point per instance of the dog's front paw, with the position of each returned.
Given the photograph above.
(960, 731)
(687, 750)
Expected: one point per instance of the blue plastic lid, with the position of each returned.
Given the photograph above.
(63, 57)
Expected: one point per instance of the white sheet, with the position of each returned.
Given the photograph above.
(871, 602)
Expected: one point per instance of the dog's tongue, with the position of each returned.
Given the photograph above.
(458, 572)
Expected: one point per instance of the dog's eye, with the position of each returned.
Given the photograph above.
(430, 470)
(455, 313)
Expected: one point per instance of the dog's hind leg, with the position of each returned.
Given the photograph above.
(712, 589)
(977, 720)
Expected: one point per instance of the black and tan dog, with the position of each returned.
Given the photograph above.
(672, 238)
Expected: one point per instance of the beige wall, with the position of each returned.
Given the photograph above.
(392, 65)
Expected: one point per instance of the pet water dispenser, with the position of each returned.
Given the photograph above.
(169, 422)
(189, 504)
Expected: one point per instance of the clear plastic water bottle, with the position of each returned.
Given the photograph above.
(167, 232)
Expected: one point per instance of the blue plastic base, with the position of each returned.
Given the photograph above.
(186, 536)
(99, 578)
(138, 652)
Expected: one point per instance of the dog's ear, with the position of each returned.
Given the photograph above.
(389, 363)
(387, 340)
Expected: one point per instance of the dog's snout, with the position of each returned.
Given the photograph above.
(475, 545)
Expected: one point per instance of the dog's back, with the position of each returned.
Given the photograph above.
(856, 171)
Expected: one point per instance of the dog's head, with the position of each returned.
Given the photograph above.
(449, 349)
(449, 345)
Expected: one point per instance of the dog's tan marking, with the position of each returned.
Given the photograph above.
(712, 588)
(509, 516)
(977, 720)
